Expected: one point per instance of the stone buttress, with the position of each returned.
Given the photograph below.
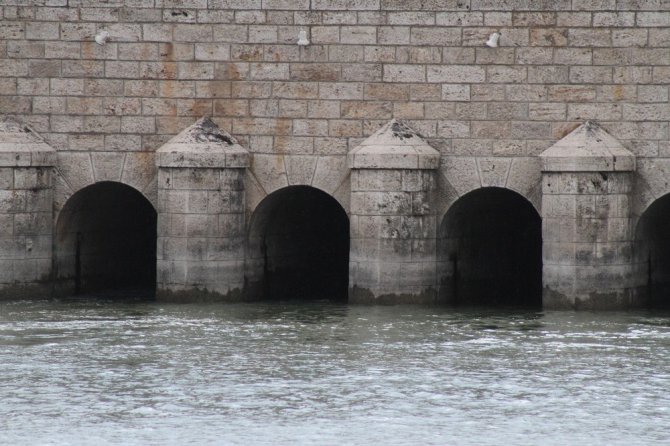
(393, 218)
(26, 212)
(201, 223)
(587, 180)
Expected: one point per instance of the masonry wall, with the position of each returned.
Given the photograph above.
(300, 109)
(170, 61)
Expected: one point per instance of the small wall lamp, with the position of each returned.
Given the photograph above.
(102, 37)
(493, 40)
(302, 38)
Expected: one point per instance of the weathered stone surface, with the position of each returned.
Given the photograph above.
(488, 111)
(205, 145)
(590, 149)
(26, 211)
(201, 196)
(269, 171)
(393, 180)
(587, 230)
(300, 169)
(394, 146)
(20, 145)
(462, 173)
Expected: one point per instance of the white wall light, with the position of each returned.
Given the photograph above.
(302, 38)
(102, 37)
(493, 40)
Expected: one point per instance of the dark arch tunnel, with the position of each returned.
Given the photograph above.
(298, 247)
(106, 241)
(490, 250)
(652, 255)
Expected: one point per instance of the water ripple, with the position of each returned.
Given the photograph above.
(100, 372)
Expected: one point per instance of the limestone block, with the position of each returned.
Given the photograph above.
(151, 193)
(378, 180)
(12, 201)
(559, 206)
(394, 146)
(202, 145)
(196, 248)
(33, 223)
(25, 270)
(381, 203)
(62, 191)
(212, 202)
(462, 173)
(199, 225)
(300, 169)
(343, 194)
(230, 225)
(198, 201)
(196, 178)
(588, 148)
(174, 248)
(655, 173)
(421, 203)
(592, 183)
(29, 178)
(171, 272)
(7, 176)
(591, 230)
(139, 169)
(330, 173)
(107, 166)
(493, 171)
(76, 169)
(254, 192)
(269, 171)
(556, 183)
(175, 201)
(424, 250)
(524, 175)
(619, 229)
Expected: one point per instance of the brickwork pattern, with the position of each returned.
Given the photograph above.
(201, 231)
(393, 235)
(587, 239)
(25, 233)
(170, 61)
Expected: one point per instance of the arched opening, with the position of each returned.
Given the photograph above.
(490, 250)
(298, 247)
(652, 254)
(106, 241)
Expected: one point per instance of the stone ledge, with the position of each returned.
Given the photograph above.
(203, 145)
(588, 148)
(394, 146)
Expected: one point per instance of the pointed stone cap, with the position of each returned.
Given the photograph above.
(588, 148)
(22, 146)
(394, 146)
(203, 145)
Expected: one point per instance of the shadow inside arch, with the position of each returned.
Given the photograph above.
(651, 255)
(105, 241)
(490, 250)
(298, 247)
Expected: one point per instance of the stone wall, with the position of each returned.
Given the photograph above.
(299, 109)
(170, 61)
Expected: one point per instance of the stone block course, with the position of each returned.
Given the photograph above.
(490, 110)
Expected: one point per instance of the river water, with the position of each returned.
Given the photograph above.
(101, 372)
